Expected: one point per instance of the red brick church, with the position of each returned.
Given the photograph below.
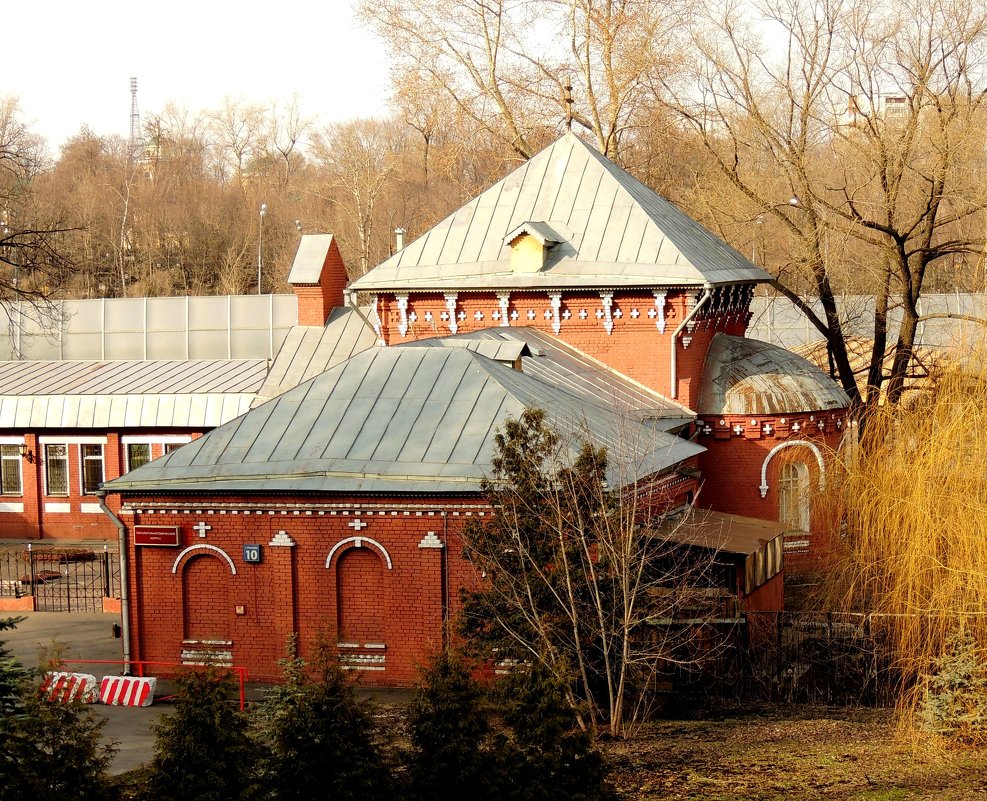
(336, 505)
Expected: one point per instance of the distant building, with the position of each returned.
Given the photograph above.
(95, 388)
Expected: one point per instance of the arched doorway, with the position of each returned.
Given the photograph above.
(360, 590)
(206, 599)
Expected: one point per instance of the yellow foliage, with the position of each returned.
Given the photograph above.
(907, 512)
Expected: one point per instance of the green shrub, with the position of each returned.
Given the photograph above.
(954, 703)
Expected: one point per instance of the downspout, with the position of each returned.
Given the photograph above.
(124, 579)
(349, 298)
(707, 294)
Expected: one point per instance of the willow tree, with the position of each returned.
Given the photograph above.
(908, 530)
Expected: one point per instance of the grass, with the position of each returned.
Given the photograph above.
(791, 753)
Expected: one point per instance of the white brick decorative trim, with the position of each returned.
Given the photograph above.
(12, 507)
(430, 540)
(791, 444)
(359, 542)
(57, 508)
(90, 509)
(282, 540)
(211, 548)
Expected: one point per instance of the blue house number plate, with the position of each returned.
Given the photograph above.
(251, 554)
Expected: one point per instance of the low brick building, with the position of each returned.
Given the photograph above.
(336, 506)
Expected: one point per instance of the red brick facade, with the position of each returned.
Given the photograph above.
(744, 458)
(629, 331)
(57, 509)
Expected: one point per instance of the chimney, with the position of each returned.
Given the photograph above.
(318, 278)
(399, 239)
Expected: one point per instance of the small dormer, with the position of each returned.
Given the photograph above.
(529, 244)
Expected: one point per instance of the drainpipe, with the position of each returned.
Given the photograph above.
(349, 298)
(707, 294)
(124, 580)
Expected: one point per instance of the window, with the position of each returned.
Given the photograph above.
(172, 446)
(793, 496)
(10, 470)
(92, 468)
(56, 469)
(138, 454)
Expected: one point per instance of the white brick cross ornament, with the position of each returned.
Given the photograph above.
(202, 527)
(357, 524)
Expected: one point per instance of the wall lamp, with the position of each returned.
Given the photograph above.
(26, 453)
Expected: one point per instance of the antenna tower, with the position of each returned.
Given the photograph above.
(136, 140)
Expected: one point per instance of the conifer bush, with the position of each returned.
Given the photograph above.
(203, 751)
(454, 753)
(319, 741)
(50, 751)
(553, 759)
(954, 701)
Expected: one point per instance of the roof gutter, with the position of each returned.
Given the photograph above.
(124, 579)
(673, 372)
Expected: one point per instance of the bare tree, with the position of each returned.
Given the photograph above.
(585, 580)
(855, 135)
(519, 70)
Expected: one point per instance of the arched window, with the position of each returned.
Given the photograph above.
(793, 496)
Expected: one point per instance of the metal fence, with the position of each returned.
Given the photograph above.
(797, 657)
(61, 579)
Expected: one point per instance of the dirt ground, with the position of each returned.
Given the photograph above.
(791, 753)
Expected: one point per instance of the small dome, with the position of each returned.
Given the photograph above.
(750, 377)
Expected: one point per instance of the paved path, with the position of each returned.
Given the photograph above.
(89, 636)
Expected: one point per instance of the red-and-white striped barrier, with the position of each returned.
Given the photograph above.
(62, 687)
(127, 690)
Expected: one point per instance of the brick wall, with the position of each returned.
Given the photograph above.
(633, 346)
(737, 447)
(72, 516)
(379, 577)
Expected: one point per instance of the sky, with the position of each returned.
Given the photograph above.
(70, 63)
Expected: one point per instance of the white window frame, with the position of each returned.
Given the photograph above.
(68, 481)
(16, 455)
(794, 495)
(82, 466)
(164, 440)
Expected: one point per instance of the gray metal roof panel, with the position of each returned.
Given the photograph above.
(311, 350)
(120, 412)
(606, 206)
(745, 376)
(365, 396)
(45, 378)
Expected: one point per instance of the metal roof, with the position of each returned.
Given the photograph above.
(746, 376)
(126, 394)
(23, 378)
(115, 412)
(408, 419)
(310, 350)
(704, 528)
(558, 363)
(617, 232)
(310, 258)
